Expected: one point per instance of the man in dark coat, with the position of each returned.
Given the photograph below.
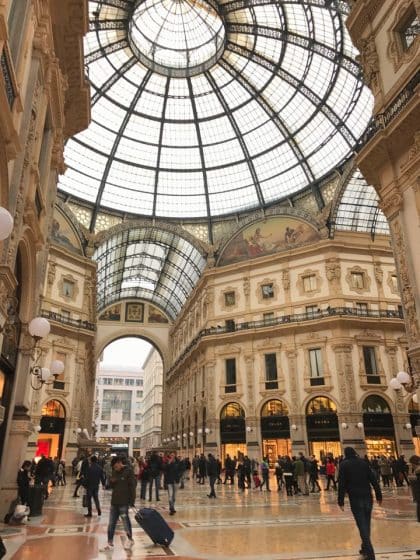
(211, 473)
(356, 479)
(94, 476)
(123, 484)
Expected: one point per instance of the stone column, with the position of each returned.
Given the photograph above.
(350, 435)
(298, 436)
(403, 221)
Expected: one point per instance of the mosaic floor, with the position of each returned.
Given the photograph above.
(247, 525)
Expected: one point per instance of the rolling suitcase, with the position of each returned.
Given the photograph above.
(154, 526)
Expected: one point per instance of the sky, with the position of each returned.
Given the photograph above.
(126, 352)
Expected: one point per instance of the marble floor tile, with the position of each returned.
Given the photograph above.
(248, 525)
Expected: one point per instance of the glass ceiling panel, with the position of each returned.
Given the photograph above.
(212, 107)
(148, 263)
(358, 209)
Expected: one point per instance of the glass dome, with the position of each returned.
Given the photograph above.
(203, 108)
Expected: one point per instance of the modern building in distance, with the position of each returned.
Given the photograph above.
(152, 402)
(118, 407)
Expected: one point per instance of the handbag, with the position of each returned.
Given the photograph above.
(85, 500)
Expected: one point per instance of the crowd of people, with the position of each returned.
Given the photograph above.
(157, 472)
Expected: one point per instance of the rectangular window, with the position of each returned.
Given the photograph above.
(268, 318)
(362, 308)
(267, 291)
(311, 310)
(229, 298)
(230, 365)
(65, 315)
(357, 280)
(309, 283)
(104, 427)
(271, 371)
(107, 381)
(230, 325)
(138, 382)
(115, 428)
(371, 368)
(316, 366)
(126, 428)
(139, 394)
(394, 283)
(137, 417)
(409, 28)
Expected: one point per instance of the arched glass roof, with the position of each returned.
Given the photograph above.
(358, 209)
(202, 108)
(147, 263)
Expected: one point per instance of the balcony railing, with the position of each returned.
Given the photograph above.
(382, 120)
(329, 312)
(78, 323)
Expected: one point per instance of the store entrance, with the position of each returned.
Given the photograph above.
(272, 448)
(50, 438)
(322, 449)
(238, 450)
(380, 446)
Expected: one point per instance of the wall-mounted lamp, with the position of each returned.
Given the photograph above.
(294, 427)
(191, 434)
(6, 223)
(248, 429)
(184, 435)
(178, 437)
(173, 438)
(79, 430)
(359, 425)
(403, 380)
(39, 328)
(344, 425)
(207, 430)
(37, 428)
(199, 431)
(407, 426)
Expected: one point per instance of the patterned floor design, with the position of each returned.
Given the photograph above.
(248, 525)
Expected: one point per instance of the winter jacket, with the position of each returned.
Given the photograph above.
(123, 484)
(356, 479)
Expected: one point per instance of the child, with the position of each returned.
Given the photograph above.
(257, 480)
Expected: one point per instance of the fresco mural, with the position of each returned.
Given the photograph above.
(156, 316)
(111, 314)
(63, 234)
(276, 234)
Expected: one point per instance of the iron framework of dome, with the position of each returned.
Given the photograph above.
(203, 108)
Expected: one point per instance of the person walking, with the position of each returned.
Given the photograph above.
(171, 476)
(155, 468)
(211, 467)
(313, 474)
(94, 476)
(330, 472)
(356, 479)
(123, 484)
(23, 480)
(265, 474)
(82, 467)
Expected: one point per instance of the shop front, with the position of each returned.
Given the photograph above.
(379, 427)
(232, 431)
(275, 430)
(51, 434)
(322, 428)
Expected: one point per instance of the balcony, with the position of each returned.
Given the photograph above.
(320, 314)
(68, 321)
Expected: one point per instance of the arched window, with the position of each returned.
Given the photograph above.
(274, 408)
(53, 409)
(320, 405)
(374, 403)
(232, 410)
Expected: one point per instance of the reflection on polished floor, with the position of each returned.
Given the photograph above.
(248, 525)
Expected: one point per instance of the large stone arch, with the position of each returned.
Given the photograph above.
(4, 175)
(158, 337)
(28, 289)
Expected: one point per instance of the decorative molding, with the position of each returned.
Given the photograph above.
(396, 52)
(300, 282)
(366, 280)
(224, 296)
